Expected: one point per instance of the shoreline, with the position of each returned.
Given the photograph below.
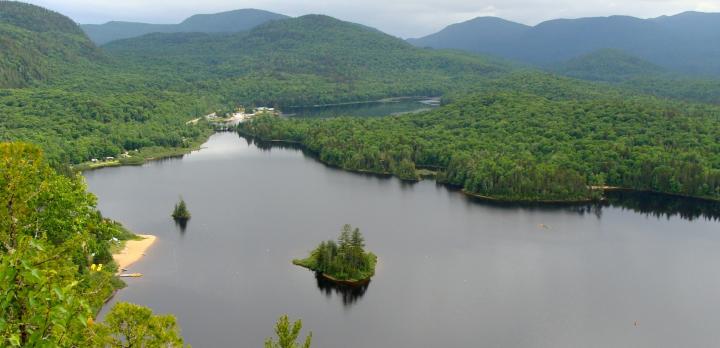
(348, 282)
(155, 153)
(134, 251)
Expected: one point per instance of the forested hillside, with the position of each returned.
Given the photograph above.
(303, 61)
(639, 76)
(608, 65)
(519, 146)
(224, 22)
(37, 45)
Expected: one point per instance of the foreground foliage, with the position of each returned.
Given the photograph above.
(56, 270)
(344, 260)
(288, 334)
(129, 325)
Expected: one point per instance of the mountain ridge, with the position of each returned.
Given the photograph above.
(688, 42)
(228, 22)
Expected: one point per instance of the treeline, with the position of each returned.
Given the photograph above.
(518, 146)
(56, 269)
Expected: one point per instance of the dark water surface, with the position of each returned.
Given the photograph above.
(367, 109)
(453, 272)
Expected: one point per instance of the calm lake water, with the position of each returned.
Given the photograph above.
(368, 109)
(641, 271)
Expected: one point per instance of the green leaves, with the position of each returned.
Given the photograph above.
(129, 325)
(287, 335)
(40, 305)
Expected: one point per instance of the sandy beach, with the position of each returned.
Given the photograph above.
(134, 250)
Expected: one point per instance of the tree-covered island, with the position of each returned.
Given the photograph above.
(344, 261)
(180, 212)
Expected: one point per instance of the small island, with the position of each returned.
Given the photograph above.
(345, 261)
(181, 213)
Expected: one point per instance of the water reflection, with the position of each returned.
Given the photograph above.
(181, 225)
(659, 205)
(348, 294)
(651, 204)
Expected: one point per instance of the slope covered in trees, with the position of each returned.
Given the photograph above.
(519, 146)
(224, 22)
(639, 76)
(608, 65)
(303, 61)
(37, 45)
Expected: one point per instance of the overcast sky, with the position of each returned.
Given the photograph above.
(404, 18)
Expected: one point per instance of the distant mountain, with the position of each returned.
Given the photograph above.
(224, 22)
(489, 33)
(610, 65)
(688, 42)
(36, 44)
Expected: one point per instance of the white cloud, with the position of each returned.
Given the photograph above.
(405, 18)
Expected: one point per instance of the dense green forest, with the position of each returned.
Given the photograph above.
(519, 146)
(38, 45)
(344, 260)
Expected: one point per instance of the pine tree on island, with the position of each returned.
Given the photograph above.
(344, 260)
(181, 212)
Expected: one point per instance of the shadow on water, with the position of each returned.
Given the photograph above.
(648, 203)
(349, 295)
(651, 204)
(181, 225)
(660, 205)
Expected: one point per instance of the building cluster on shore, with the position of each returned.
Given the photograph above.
(239, 116)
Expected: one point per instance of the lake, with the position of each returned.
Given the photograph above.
(639, 271)
(365, 109)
